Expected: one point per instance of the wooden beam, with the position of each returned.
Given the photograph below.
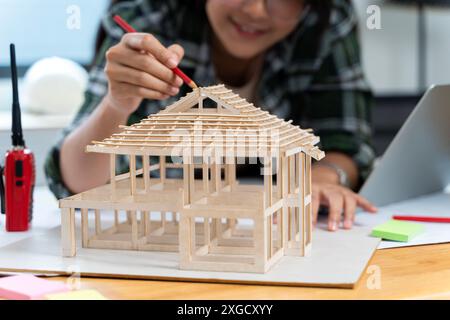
(162, 168)
(205, 177)
(146, 172)
(112, 171)
(285, 192)
(98, 222)
(84, 227)
(268, 181)
(132, 174)
(134, 230)
(68, 232)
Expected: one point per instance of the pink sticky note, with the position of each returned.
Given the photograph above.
(27, 287)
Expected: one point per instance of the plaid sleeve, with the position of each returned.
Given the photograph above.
(340, 101)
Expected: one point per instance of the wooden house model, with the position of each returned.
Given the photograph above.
(214, 222)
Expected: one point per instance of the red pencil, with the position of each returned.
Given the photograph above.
(125, 26)
(423, 219)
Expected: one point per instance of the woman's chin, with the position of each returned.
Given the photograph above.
(244, 52)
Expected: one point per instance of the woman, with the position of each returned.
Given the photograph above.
(298, 59)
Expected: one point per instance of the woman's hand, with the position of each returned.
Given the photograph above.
(139, 67)
(341, 202)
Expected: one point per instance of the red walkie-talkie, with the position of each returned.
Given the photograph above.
(19, 171)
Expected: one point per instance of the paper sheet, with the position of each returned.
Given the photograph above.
(430, 205)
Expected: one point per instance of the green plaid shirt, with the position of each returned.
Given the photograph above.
(316, 81)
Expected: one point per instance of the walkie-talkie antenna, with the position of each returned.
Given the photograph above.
(17, 136)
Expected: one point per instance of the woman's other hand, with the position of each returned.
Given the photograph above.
(341, 201)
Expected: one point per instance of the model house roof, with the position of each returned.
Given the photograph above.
(234, 124)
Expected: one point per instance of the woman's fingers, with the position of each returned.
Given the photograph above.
(130, 90)
(349, 211)
(335, 208)
(141, 67)
(365, 204)
(124, 74)
(341, 202)
(178, 50)
(148, 43)
(143, 62)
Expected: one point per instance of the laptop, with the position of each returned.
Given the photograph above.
(417, 162)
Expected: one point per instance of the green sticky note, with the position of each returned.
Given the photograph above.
(397, 230)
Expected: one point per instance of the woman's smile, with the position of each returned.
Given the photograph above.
(247, 30)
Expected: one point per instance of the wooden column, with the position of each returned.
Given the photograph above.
(116, 218)
(84, 228)
(285, 192)
(291, 190)
(232, 175)
(68, 232)
(112, 175)
(217, 174)
(192, 234)
(132, 174)
(261, 245)
(184, 241)
(231, 179)
(268, 181)
(98, 222)
(163, 220)
(187, 179)
(308, 190)
(147, 221)
(206, 232)
(162, 168)
(192, 180)
(302, 211)
(205, 177)
(146, 172)
(134, 230)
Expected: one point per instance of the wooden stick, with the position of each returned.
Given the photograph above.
(147, 223)
(84, 228)
(162, 168)
(308, 213)
(205, 177)
(116, 218)
(268, 181)
(285, 192)
(112, 165)
(133, 174)
(206, 232)
(217, 174)
(302, 209)
(98, 222)
(134, 230)
(68, 232)
(186, 180)
(146, 173)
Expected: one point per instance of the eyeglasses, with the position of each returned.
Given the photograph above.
(287, 10)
